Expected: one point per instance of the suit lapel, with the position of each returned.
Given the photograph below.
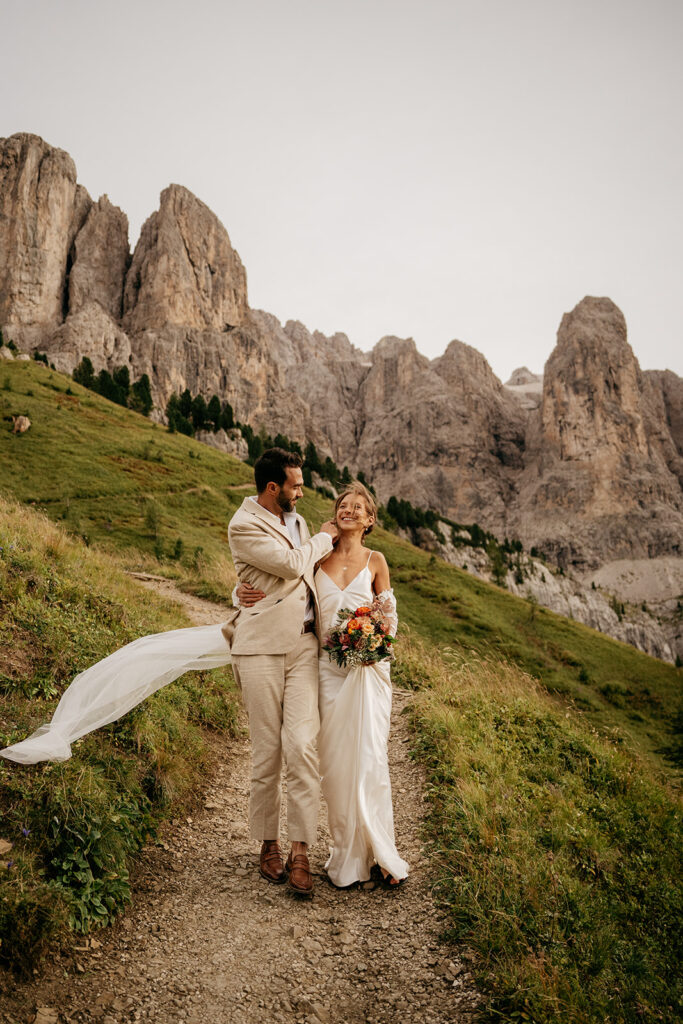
(268, 520)
(304, 532)
(252, 507)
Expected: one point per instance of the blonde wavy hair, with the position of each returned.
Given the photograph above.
(370, 503)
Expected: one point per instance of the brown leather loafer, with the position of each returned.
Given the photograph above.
(271, 866)
(300, 877)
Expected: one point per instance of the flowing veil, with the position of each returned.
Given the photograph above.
(110, 688)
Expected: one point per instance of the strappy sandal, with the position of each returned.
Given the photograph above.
(388, 882)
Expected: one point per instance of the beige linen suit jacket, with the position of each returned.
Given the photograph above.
(265, 556)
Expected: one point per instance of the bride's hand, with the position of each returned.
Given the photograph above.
(248, 596)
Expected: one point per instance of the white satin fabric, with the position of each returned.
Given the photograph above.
(107, 690)
(355, 710)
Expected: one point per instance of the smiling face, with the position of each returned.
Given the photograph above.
(352, 513)
(291, 490)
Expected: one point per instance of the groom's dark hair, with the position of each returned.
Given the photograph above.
(272, 466)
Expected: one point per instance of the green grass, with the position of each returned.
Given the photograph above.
(633, 698)
(558, 856)
(74, 826)
(549, 746)
(134, 490)
(118, 480)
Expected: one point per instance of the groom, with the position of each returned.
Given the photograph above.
(274, 652)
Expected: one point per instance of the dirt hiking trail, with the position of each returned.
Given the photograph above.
(207, 941)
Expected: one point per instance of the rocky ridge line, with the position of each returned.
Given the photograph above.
(588, 470)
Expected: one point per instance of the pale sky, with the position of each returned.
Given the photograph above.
(429, 168)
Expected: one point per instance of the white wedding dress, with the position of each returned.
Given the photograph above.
(355, 709)
(110, 688)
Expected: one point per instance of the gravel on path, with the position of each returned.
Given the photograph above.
(208, 941)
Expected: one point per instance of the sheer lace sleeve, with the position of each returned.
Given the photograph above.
(386, 604)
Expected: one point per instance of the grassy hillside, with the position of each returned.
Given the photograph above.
(73, 827)
(558, 856)
(115, 478)
(156, 499)
(548, 746)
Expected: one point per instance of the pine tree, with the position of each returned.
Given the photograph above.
(84, 374)
(105, 386)
(198, 412)
(361, 480)
(330, 471)
(311, 457)
(176, 420)
(213, 412)
(121, 379)
(141, 398)
(186, 403)
(227, 417)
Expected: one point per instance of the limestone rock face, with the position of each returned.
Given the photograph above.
(231, 442)
(184, 270)
(653, 628)
(585, 463)
(523, 375)
(41, 210)
(526, 387)
(665, 419)
(100, 260)
(596, 479)
(442, 434)
(89, 332)
(592, 395)
(326, 373)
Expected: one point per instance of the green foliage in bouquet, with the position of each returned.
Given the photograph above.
(359, 638)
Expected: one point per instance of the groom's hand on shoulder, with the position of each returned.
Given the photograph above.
(330, 527)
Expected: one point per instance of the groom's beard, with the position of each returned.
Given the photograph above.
(286, 504)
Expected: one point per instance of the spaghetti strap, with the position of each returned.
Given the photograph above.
(367, 564)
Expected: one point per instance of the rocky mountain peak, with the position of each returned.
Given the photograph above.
(592, 390)
(462, 363)
(397, 367)
(600, 459)
(184, 270)
(41, 210)
(593, 473)
(391, 347)
(100, 260)
(523, 375)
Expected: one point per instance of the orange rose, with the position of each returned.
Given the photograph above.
(354, 625)
(363, 610)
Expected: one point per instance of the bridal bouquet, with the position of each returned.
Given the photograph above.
(360, 637)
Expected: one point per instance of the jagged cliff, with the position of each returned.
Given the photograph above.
(587, 466)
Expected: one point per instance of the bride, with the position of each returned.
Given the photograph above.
(355, 707)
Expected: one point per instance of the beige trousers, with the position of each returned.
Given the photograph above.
(280, 693)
